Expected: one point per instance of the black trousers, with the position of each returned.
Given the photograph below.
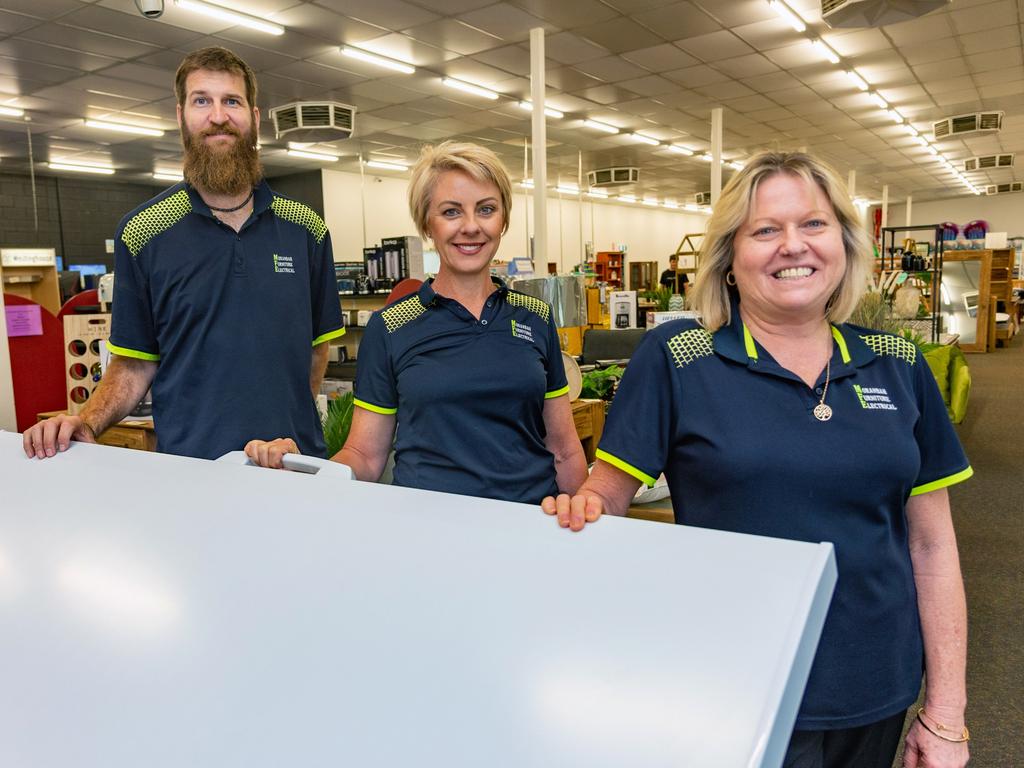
(868, 746)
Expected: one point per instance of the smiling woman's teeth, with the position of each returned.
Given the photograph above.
(469, 248)
(787, 274)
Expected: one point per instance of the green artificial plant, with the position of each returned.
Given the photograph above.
(337, 422)
(600, 383)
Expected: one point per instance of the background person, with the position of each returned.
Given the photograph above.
(672, 278)
(224, 297)
(775, 418)
(470, 370)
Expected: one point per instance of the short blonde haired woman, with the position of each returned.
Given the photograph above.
(468, 370)
(773, 417)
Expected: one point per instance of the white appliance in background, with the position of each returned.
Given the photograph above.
(622, 307)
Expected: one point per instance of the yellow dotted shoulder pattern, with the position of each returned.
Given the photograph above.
(690, 345)
(297, 213)
(151, 221)
(405, 311)
(894, 346)
(531, 303)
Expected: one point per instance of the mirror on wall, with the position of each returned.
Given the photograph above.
(965, 298)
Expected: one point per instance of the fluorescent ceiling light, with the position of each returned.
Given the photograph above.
(893, 115)
(791, 18)
(691, 207)
(549, 111)
(649, 201)
(932, 150)
(626, 198)
(705, 157)
(597, 193)
(921, 140)
(857, 80)
(526, 183)
(386, 166)
(565, 189)
(671, 204)
(882, 103)
(12, 112)
(106, 170)
(910, 129)
(228, 15)
(380, 61)
(735, 165)
(645, 139)
(476, 90)
(312, 155)
(600, 126)
(123, 128)
(167, 176)
(822, 47)
(680, 150)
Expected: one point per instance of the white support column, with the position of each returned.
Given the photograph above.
(716, 154)
(910, 201)
(885, 206)
(540, 155)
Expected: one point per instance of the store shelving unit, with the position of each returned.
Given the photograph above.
(891, 259)
(609, 267)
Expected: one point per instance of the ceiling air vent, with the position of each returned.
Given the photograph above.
(702, 198)
(998, 189)
(986, 162)
(313, 120)
(961, 125)
(613, 177)
(875, 13)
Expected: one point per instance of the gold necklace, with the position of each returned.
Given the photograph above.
(823, 412)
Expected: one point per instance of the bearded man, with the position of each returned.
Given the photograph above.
(224, 292)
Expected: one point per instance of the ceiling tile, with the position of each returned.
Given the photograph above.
(27, 51)
(984, 62)
(453, 7)
(1015, 88)
(750, 104)
(732, 13)
(453, 36)
(988, 16)
(934, 86)
(611, 69)
(927, 29)
(567, 48)
(619, 35)
(607, 94)
(566, 13)
(730, 89)
(765, 34)
(699, 75)
(746, 66)
(569, 79)
(799, 95)
(317, 21)
(990, 39)
(388, 14)
(798, 55)
(511, 58)
(652, 85)
(88, 41)
(941, 69)
(999, 76)
(404, 48)
(678, 20)
(857, 43)
(925, 53)
(660, 58)
(715, 46)
(505, 21)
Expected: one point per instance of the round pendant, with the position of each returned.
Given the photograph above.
(822, 412)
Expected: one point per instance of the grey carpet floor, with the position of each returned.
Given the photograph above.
(988, 511)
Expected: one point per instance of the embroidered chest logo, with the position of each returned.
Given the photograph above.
(521, 331)
(283, 264)
(874, 398)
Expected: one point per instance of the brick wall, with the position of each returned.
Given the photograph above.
(76, 216)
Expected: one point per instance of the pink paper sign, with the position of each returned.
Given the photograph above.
(24, 320)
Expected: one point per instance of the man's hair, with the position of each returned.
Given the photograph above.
(214, 59)
(478, 162)
(711, 294)
(673, 257)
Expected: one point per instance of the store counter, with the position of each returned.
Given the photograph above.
(163, 611)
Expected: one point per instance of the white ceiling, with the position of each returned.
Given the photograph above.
(654, 66)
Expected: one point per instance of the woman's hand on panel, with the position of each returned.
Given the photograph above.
(270, 453)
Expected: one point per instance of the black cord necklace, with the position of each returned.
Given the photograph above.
(236, 208)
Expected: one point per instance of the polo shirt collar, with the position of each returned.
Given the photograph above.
(735, 342)
(430, 298)
(262, 197)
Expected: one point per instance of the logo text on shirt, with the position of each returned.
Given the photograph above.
(284, 264)
(874, 398)
(521, 331)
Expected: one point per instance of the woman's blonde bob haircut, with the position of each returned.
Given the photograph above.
(711, 294)
(478, 162)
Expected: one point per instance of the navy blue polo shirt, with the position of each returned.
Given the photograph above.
(742, 451)
(469, 394)
(230, 318)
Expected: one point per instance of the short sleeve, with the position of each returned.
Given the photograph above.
(376, 388)
(323, 291)
(557, 384)
(637, 435)
(943, 462)
(132, 331)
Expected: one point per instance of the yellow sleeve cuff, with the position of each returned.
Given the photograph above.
(126, 352)
(942, 482)
(328, 336)
(557, 393)
(629, 469)
(374, 408)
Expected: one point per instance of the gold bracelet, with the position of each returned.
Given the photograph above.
(965, 735)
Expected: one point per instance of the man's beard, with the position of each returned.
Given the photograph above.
(222, 170)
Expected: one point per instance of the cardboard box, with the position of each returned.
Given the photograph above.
(403, 257)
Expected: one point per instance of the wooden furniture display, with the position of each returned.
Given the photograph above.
(984, 338)
(643, 276)
(689, 252)
(32, 274)
(162, 610)
(588, 416)
(608, 268)
(138, 435)
(1001, 290)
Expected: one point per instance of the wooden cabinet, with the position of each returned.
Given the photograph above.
(1001, 292)
(138, 435)
(608, 268)
(588, 418)
(24, 273)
